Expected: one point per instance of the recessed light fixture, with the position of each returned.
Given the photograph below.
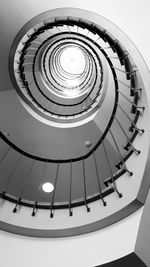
(48, 187)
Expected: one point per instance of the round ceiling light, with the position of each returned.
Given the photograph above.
(47, 187)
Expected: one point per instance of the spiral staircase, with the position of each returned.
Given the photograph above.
(74, 112)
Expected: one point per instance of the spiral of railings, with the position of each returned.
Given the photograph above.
(65, 96)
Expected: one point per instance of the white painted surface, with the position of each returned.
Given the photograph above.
(82, 251)
(143, 239)
(113, 242)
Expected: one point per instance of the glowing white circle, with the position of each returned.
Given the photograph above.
(48, 187)
(72, 60)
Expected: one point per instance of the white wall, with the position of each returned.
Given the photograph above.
(96, 248)
(143, 239)
(81, 251)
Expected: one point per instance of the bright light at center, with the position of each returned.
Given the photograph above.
(72, 60)
(48, 187)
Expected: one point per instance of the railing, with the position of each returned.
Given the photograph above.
(123, 121)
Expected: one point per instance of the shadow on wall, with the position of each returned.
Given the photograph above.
(127, 261)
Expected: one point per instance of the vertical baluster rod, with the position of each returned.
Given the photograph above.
(134, 149)
(84, 182)
(121, 157)
(53, 196)
(98, 181)
(132, 123)
(70, 195)
(132, 103)
(111, 173)
(39, 190)
(11, 175)
(129, 86)
(23, 188)
(5, 155)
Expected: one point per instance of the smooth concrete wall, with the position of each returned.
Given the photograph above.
(87, 250)
(117, 240)
(142, 247)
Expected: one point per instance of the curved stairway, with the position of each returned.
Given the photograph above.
(87, 122)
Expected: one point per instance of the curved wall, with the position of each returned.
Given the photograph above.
(119, 239)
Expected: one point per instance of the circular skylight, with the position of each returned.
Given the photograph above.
(72, 60)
